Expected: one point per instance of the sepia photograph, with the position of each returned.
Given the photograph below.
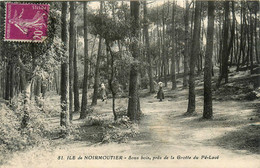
(130, 84)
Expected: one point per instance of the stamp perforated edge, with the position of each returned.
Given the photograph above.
(20, 40)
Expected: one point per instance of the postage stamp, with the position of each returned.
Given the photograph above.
(26, 22)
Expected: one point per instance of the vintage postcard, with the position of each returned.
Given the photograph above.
(129, 84)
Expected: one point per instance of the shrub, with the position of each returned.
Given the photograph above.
(13, 137)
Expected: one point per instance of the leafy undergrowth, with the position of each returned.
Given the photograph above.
(101, 128)
(13, 136)
(119, 131)
(242, 86)
(236, 91)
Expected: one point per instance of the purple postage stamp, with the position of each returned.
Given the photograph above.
(26, 22)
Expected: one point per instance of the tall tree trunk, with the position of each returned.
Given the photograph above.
(164, 48)
(96, 78)
(207, 110)
(159, 47)
(71, 52)
(64, 117)
(97, 75)
(84, 101)
(12, 80)
(241, 37)
(173, 49)
(148, 53)
(37, 81)
(232, 31)
(76, 80)
(7, 81)
(25, 88)
(193, 57)
(251, 44)
(225, 54)
(134, 111)
(111, 79)
(186, 52)
(57, 82)
(256, 36)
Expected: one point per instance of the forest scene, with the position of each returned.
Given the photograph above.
(156, 83)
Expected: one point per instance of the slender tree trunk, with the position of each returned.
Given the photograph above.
(12, 80)
(84, 102)
(134, 111)
(207, 110)
(251, 44)
(230, 46)
(193, 58)
(225, 54)
(71, 52)
(57, 82)
(256, 37)
(36, 84)
(148, 53)
(247, 24)
(7, 81)
(186, 52)
(173, 49)
(111, 79)
(164, 49)
(96, 80)
(64, 117)
(241, 37)
(25, 88)
(76, 80)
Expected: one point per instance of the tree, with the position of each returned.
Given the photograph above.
(111, 30)
(97, 75)
(84, 101)
(193, 57)
(134, 111)
(64, 117)
(76, 82)
(164, 49)
(256, 9)
(173, 47)
(186, 51)
(71, 54)
(111, 80)
(207, 110)
(225, 53)
(148, 52)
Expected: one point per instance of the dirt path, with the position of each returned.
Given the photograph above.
(164, 131)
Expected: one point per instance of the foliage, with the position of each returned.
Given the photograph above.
(107, 27)
(123, 68)
(14, 138)
(119, 131)
(41, 59)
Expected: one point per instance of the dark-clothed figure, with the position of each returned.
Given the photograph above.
(160, 94)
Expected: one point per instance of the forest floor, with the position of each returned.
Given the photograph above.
(230, 139)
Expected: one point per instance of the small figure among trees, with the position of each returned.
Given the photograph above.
(160, 93)
(103, 92)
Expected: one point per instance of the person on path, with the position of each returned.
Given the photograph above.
(103, 92)
(160, 94)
